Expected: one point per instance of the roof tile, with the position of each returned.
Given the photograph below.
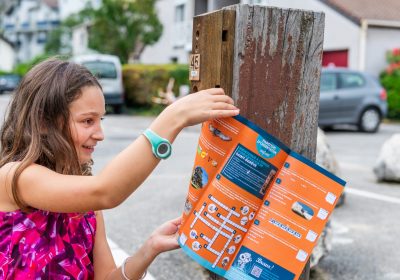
(388, 10)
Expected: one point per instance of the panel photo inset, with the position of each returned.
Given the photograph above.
(302, 210)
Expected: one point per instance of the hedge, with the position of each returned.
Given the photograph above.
(390, 79)
(142, 82)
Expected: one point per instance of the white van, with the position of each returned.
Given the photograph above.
(108, 71)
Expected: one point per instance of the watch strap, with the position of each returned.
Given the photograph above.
(155, 140)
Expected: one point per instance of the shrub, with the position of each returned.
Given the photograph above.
(22, 68)
(142, 82)
(390, 79)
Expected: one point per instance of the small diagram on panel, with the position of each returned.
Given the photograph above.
(226, 232)
(244, 210)
(268, 181)
(204, 155)
(218, 133)
(199, 177)
(196, 245)
(256, 271)
(231, 250)
(251, 216)
(302, 210)
(244, 261)
(225, 261)
(237, 239)
(244, 220)
(188, 206)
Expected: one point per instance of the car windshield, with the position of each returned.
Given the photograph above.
(101, 69)
(328, 81)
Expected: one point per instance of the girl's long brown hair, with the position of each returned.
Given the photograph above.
(36, 128)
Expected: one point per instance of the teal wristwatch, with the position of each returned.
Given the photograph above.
(161, 147)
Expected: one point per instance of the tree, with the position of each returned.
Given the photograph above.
(120, 27)
(124, 28)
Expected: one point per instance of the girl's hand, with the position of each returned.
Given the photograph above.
(202, 106)
(164, 238)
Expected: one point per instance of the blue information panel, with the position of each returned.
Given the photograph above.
(249, 171)
(250, 265)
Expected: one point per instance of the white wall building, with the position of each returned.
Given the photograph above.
(7, 55)
(27, 24)
(68, 7)
(358, 33)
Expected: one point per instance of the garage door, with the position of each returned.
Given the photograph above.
(335, 58)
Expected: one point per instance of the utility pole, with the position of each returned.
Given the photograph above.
(269, 61)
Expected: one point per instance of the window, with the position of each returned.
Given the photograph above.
(328, 81)
(180, 13)
(351, 80)
(102, 69)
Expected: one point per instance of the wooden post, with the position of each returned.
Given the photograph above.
(269, 60)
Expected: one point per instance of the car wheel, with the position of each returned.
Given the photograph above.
(370, 120)
(117, 109)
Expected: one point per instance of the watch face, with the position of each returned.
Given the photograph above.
(163, 149)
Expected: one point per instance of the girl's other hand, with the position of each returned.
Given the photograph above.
(204, 105)
(164, 238)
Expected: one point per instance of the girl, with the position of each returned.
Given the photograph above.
(51, 226)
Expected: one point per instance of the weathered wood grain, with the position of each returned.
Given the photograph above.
(213, 37)
(277, 62)
(270, 63)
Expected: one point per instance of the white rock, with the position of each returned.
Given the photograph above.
(387, 167)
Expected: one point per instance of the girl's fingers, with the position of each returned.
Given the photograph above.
(223, 106)
(223, 98)
(216, 91)
(219, 114)
(177, 221)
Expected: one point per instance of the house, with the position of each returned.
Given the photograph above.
(27, 24)
(358, 33)
(7, 55)
(68, 7)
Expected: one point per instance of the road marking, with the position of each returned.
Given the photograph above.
(338, 230)
(120, 255)
(392, 275)
(372, 195)
(354, 166)
(341, 240)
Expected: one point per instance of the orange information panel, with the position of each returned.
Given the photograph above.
(255, 209)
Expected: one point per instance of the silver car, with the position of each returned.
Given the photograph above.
(351, 97)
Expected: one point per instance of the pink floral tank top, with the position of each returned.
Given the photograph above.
(46, 245)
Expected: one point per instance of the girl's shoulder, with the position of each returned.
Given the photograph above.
(7, 172)
(6, 199)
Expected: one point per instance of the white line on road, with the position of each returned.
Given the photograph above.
(372, 195)
(120, 255)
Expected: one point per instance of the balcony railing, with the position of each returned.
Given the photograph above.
(27, 26)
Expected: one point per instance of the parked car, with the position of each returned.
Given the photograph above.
(9, 82)
(108, 70)
(351, 97)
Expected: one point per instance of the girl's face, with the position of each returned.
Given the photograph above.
(86, 114)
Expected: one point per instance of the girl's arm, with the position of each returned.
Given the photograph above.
(163, 239)
(44, 189)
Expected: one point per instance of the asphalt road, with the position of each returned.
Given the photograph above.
(365, 243)
(365, 229)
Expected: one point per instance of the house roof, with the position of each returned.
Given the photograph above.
(358, 10)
